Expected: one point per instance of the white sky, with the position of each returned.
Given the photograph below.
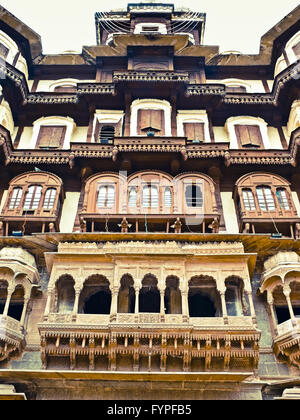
(231, 24)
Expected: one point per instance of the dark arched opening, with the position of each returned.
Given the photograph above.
(149, 297)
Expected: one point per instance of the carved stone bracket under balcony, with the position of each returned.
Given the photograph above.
(11, 337)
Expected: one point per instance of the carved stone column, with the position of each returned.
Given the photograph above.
(224, 308)
(137, 289)
(252, 310)
(270, 301)
(287, 292)
(114, 304)
(48, 304)
(76, 302)
(26, 300)
(162, 302)
(10, 291)
(185, 305)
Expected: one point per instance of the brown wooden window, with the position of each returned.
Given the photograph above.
(193, 196)
(132, 197)
(265, 198)
(15, 198)
(106, 196)
(151, 120)
(49, 199)
(296, 49)
(248, 135)
(51, 136)
(248, 199)
(33, 197)
(194, 131)
(65, 89)
(150, 196)
(282, 198)
(3, 51)
(236, 89)
(168, 197)
(107, 134)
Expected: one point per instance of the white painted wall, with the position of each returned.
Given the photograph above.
(229, 212)
(69, 211)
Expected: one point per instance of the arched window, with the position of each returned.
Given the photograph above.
(282, 198)
(150, 196)
(15, 198)
(49, 198)
(107, 134)
(265, 198)
(193, 196)
(33, 197)
(168, 197)
(132, 198)
(248, 199)
(106, 196)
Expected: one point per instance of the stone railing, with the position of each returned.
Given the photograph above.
(11, 336)
(287, 342)
(151, 338)
(150, 76)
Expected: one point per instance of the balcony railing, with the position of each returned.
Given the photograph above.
(196, 343)
(11, 336)
(287, 341)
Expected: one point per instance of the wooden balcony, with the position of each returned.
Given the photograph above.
(150, 342)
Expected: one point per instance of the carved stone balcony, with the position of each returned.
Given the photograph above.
(287, 342)
(11, 336)
(150, 342)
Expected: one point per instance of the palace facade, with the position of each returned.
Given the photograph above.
(149, 212)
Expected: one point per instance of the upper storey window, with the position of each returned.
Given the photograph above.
(64, 85)
(290, 54)
(52, 133)
(106, 196)
(150, 117)
(247, 132)
(107, 126)
(151, 121)
(266, 203)
(194, 131)
(51, 137)
(33, 198)
(236, 86)
(150, 27)
(248, 135)
(296, 49)
(9, 51)
(193, 125)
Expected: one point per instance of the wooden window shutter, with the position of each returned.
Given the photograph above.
(151, 119)
(194, 131)
(296, 49)
(248, 135)
(255, 135)
(51, 136)
(3, 51)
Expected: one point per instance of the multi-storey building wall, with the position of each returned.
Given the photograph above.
(149, 212)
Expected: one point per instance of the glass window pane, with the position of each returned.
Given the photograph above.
(168, 197)
(15, 198)
(132, 197)
(282, 198)
(33, 197)
(49, 198)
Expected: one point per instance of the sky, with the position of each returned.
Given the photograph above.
(231, 24)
